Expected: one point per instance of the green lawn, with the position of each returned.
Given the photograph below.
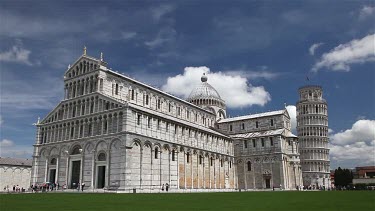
(284, 200)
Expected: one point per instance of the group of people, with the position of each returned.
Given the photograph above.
(166, 187)
(45, 187)
(79, 186)
(16, 189)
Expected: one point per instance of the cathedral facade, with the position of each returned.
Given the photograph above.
(116, 133)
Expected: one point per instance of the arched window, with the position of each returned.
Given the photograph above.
(102, 157)
(76, 150)
(248, 166)
(156, 153)
(173, 155)
(53, 161)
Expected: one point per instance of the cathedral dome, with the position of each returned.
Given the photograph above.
(204, 91)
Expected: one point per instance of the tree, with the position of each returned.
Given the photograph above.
(343, 177)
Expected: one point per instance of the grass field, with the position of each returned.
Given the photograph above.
(283, 200)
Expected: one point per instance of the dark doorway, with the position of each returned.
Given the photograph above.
(101, 177)
(52, 175)
(268, 183)
(76, 170)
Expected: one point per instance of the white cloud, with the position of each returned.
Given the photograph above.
(235, 90)
(264, 74)
(353, 52)
(6, 143)
(16, 54)
(351, 155)
(313, 48)
(293, 117)
(355, 146)
(366, 11)
(361, 131)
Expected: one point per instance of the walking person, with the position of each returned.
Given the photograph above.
(162, 188)
(82, 186)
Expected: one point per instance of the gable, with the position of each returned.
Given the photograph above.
(83, 65)
(58, 114)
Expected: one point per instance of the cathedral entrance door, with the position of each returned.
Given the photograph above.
(268, 183)
(52, 175)
(76, 171)
(101, 177)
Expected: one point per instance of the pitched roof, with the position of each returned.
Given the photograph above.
(252, 116)
(258, 134)
(15, 161)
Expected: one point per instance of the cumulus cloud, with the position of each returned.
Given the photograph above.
(16, 54)
(355, 146)
(6, 143)
(313, 48)
(293, 117)
(353, 52)
(356, 154)
(235, 90)
(361, 131)
(366, 12)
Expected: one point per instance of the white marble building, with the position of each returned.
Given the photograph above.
(265, 149)
(14, 172)
(312, 129)
(111, 131)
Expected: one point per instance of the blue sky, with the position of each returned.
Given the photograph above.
(264, 50)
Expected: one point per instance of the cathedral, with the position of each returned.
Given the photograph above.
(115, 133)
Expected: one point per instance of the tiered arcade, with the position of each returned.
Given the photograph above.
(312, 128)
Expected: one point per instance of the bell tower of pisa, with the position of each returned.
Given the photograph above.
(312, 129)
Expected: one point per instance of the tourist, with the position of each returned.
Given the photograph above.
(83, 185)
(166, 187)
(162, 188)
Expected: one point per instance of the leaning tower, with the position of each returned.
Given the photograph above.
(312, 129)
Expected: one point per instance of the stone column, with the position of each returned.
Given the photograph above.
(93, 170)
(185, 169)
(57, 169)
(107, 170)
(67, 171)
(140, 174)
(192, 170)
(81, 167)
(178, 168)
(46, 170)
